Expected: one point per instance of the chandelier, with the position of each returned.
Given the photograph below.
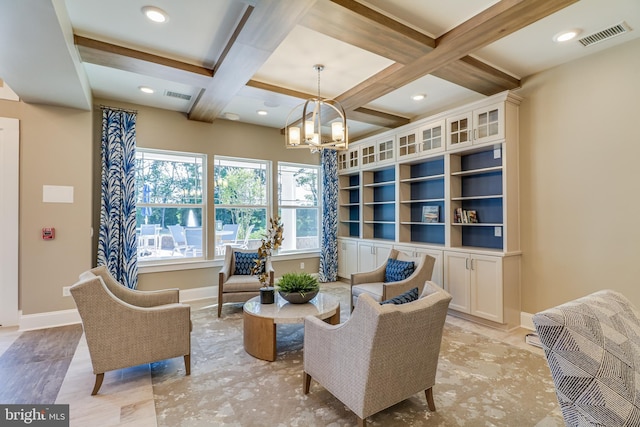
(307, 130)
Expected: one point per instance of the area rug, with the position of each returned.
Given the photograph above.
(480, 382)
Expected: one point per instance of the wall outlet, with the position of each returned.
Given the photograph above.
(302, 266)
(497, 231)
(65, 291)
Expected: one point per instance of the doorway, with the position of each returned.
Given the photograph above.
(9, 184)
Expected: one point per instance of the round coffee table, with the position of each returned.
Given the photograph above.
(260, 320)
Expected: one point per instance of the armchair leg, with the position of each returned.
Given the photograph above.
(219, 308)
(187, 363)
(307, 382)
(429, 393)
(96, 387)
(362, 422)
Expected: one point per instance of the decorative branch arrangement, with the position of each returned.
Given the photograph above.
(271, 241)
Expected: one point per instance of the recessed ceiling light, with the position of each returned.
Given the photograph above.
(155, 14)
(419, 97)
(231, 116)
(145, 89)
(565, 36)
(262, 112)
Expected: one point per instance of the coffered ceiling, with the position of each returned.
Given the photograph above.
(229, 58)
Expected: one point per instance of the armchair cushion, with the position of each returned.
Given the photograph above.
(245, 262)
(398, 270)
(410, 295)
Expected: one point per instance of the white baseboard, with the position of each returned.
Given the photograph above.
(54, 319)
(51, 319)
(526, 321)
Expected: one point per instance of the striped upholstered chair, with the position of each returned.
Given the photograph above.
(592, 345)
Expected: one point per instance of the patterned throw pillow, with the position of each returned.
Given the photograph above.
(398, 270)
(408, 296)
(245, 262)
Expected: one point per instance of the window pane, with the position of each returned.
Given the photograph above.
(299, 206)
(239, 182)
(298, 186)
(239, 228)
(170, 205)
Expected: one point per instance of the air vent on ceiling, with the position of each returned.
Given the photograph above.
(177, 95)
(605, 34)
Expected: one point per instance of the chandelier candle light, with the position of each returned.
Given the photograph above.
(310, 134)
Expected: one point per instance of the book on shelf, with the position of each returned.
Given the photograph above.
(430, 214)
(464, 216)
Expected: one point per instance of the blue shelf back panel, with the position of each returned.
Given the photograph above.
(385, 175)
(485, 184)
(433, 167)
(487, 210)
(384, 212)
(354, 196)
(385, 193)
(416, 211)
(354, 180)
(384, 231)
(481, 237)
(354, 213)
(428, 189)
(428, 234)
(483, 159)
(354, 230)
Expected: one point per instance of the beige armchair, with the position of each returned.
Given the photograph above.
(382, 355)
(125, 327)
(373, 284)
(233, 287)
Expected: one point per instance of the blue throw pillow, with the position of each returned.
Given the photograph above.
(408, 296)
(398, 270)
(245, 262)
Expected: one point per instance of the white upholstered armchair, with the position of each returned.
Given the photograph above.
(125, 327)
(373, 282)
(382, 355)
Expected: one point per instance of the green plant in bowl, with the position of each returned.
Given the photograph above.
(298, 288)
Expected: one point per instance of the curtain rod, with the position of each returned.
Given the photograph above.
(102, 107)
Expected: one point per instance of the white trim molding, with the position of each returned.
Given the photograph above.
(526, 321)
(54, 319)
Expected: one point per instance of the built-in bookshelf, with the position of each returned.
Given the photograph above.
(476, 182)
(379, 203)
(349, 205)
(422, 201)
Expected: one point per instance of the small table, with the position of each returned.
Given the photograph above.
(260, 320)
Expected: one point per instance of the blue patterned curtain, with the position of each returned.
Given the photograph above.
(117, 245)
(329, 230)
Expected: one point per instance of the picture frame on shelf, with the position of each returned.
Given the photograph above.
(430, 214)
(472, 216)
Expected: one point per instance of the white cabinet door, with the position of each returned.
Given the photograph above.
(486, 287)
(488, 124)
(459, 131)
(456, 280)
(372, 255)
(347, 258)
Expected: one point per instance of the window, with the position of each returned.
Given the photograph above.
(170, 205)
(241, 200)
(298, 190)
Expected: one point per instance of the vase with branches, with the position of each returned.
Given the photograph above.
(271, 241)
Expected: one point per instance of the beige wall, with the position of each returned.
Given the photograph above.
(580, 179)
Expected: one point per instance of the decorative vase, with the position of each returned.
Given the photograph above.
(267, 295)
(297, 297)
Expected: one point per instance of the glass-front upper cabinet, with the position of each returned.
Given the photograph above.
(479, 126)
